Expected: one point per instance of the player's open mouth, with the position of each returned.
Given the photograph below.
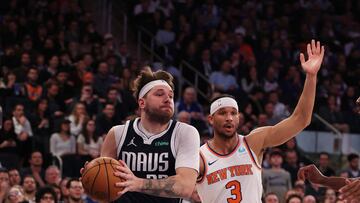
(228, 126)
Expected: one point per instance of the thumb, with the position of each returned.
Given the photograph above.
(302, 58)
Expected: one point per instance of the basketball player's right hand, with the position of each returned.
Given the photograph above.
(311, 173)
(130, 182)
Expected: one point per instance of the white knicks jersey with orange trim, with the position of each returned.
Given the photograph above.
(231, 178)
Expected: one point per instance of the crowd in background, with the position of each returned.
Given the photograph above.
(64, 85)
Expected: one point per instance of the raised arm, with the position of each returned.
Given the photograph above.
(301, 117)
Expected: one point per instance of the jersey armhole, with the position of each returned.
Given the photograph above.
(252, 155)
(202, 174)
(120, 136)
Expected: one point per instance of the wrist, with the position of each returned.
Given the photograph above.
(140, 183)
(311, 75)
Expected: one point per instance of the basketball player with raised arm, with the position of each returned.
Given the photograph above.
(160, 156)
(230, 169)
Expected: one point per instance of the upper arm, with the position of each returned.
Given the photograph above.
(278, 134)
(108, 148)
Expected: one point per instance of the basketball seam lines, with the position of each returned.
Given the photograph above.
(92, 186)
(107, 177)
(87, 170)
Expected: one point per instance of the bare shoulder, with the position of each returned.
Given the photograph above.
(109, 145)
(256, 138)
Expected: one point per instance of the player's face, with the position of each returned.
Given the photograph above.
(159, 104)
(225, 122)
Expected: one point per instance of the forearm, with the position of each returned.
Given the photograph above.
(171, 187)
(304, 108)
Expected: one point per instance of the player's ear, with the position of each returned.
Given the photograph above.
(210, 119)
(141, 103)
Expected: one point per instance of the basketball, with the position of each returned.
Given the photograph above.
(98, 179)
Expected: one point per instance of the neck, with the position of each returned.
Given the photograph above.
(153, 127)
(224, 145)
(35, 168)
(276, 167)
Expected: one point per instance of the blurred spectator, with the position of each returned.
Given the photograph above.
(45, 195)
(76, 191)
(14, 177)
(77, 119)
(62, 142)
(56, 106)
(35, 168)
(276, 179)
(8, 137)
(33, 91)
(15, 195)
(270, 81)
(223, 81)
(271, 198)
(165, 36)
(332, 113)
(52, 175)
(103, 80)
(295, 198)
(324, 165)
(29, 186)
(330, 196)
(63, 189)
(106, 120)
(250, 81)
(4, 184)
(87, 98)
(309, 199)
(291, 164)
(88, 142)
(353, 171)
(23, 130)
(280, 110)
(184, 116)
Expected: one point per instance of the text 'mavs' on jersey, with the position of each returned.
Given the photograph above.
(231, 178)
(147, 158)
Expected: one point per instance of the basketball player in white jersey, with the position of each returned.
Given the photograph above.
(160, 156)
(230, 164)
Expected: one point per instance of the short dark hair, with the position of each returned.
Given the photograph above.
(324, 153)
(293, 196)
(68, 184)
(45, 190)
(352, 156)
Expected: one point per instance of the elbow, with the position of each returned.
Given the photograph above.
(302, 119)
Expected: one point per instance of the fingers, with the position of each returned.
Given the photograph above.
(351, 190)
(313, 47)
(318, 47)
(308, 48)
(301, 174)
(302, 58)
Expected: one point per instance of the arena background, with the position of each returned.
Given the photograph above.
(74, 61)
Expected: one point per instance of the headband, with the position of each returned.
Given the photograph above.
(151, 85)
(223, 102)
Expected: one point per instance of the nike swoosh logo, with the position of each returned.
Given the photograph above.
(211, 163)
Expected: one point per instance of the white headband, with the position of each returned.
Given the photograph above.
(223, 102)
(151, 85)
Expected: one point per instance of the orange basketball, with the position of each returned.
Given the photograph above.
(98, 179)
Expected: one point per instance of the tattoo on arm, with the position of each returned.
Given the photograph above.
(163, 187)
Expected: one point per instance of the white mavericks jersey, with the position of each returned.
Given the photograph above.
(231, 178)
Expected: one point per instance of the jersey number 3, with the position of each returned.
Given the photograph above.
(235, 187)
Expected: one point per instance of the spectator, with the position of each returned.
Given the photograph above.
(8, 137)
(77, 119)
(45, 195)
(271, 198)
(63, 189)
(103, 80)
(14, 177)
(276, 179)
(62, 142)
(15, 195)
(76, 191)
(291, 164)
(330, 196)
(295, 198)
(250, 81)
(88, 142)
(280, 110)
(353, 171)
(165, 36)
(88, 98)
(184, 116)
(4, 183)
(36, 168)
(52, 175)
(309, 199)
(106, 120)
(29, 186)
(56, 106)
(33, 91)
(223, 81)
(324, 164)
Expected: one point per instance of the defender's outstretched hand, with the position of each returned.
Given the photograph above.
(315, 56)
(311, 173)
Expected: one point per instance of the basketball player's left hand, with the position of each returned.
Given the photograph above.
(351, 191)
(131, 183)
(315, 57)
(311, 173)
